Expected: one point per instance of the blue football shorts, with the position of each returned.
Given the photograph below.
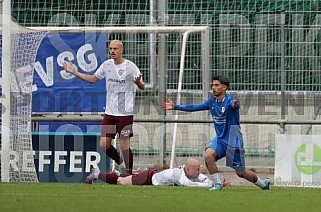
(234, 154)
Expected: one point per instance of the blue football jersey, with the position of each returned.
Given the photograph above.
(226, 118)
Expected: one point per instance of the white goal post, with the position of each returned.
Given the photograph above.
(6, 149)
(18, 51)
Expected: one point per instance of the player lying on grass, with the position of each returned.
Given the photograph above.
(186, 175)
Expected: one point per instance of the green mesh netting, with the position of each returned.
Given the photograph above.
(246, 35)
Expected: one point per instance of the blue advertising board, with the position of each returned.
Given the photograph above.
(54, 89)
(67, 157)
(64, 152)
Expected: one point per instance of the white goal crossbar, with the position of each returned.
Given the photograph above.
(147, 29)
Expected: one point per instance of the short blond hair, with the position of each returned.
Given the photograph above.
(117, 42)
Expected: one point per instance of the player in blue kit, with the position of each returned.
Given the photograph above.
(228, 141)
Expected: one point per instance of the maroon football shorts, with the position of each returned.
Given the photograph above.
(144, 178)
(111, 125)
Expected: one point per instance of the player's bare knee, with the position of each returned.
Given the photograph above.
(105, 142)
(208, 156)
(104, 145)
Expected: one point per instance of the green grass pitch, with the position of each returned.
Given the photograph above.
(103, 197)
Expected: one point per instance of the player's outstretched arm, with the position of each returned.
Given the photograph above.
(69, 67)
(169, 105)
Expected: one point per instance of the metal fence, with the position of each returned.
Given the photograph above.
(269, 49)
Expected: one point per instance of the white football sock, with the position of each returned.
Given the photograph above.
(260, 183)
(216, 178)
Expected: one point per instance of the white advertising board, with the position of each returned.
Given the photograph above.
(298, 160)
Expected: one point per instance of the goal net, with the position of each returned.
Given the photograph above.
(16, 162)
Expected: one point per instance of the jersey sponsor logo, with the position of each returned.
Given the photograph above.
(223, 109)
(219, 118)
(116, 80)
